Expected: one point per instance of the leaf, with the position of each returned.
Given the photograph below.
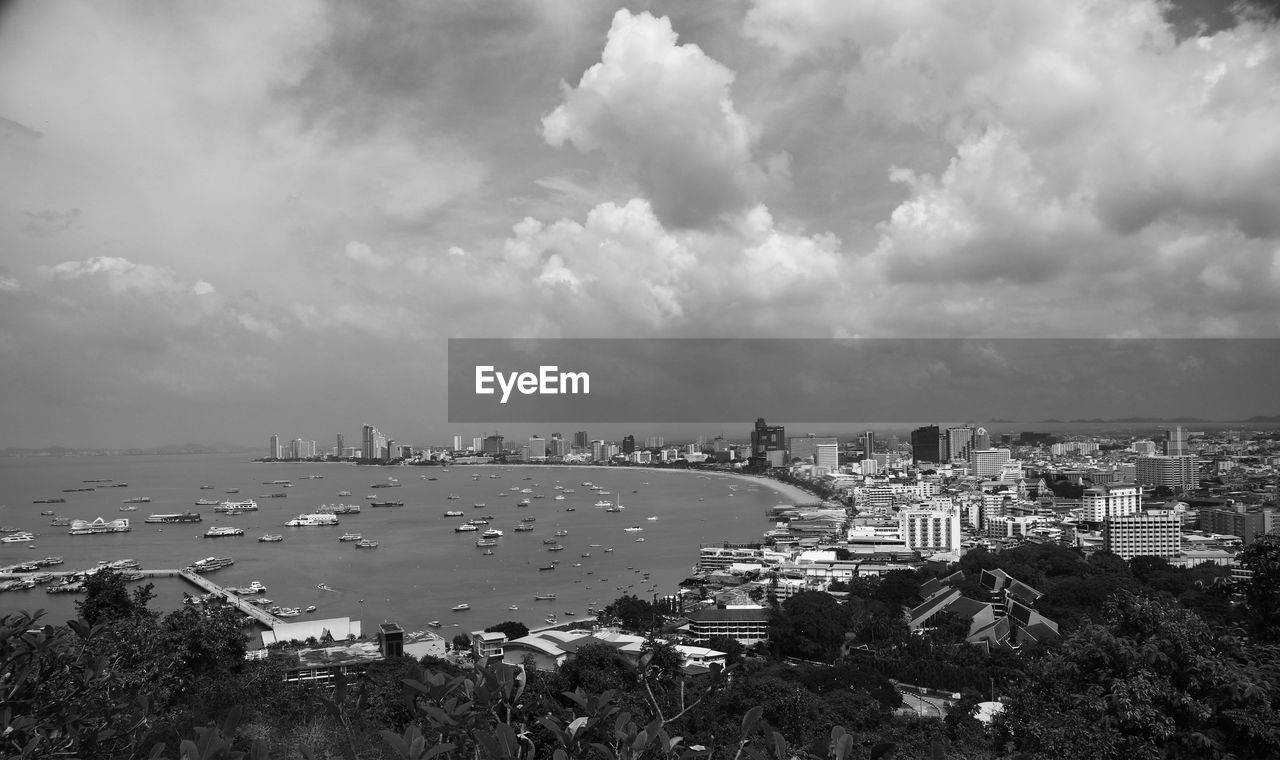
(883, 749)
(399, 745)
(779, 746)
(436, 750)
(750, 720)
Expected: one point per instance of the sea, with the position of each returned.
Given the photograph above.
(421, 568)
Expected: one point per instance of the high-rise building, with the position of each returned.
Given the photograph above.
(826, 457)
(1237, 520)
(927, 445)
(868, 440)
(930, 530)
(342, 444)
(477, 444)
(457, 443)
(654, 442)
(959, 442)
(274, 447)
(537, 447)
(1175, 442)
(988, 463)
(373, 443)
(628, 444)
(1110, 500)
(806, 449)
(981, 439)
(1153, 533)
(769, 443)
(492, 445)
(598, 451)
(1177, 473)
(580, 440)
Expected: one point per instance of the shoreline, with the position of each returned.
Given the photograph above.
(791, 491)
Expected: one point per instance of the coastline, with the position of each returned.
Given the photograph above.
(795, 493)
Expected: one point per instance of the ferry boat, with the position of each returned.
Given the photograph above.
(366, 543)
(220, 531)
(544, 597)
(344, 493)
(463, 528)
(14, 538)
(633, 529)
(50, 500)
(89, 527)
(351, 537)
(524, 528)
(454, 513)
(270, 538)
(492, 533)
(209, 564)
(175, 517)
(312, 520)
(461, 607)
(561, 532)
(128, 508)
(339, 509)
(137, 500)
(248, 505)
(386, 504)
(207, 502)
(487, 542)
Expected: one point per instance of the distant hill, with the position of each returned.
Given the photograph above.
(178, 448)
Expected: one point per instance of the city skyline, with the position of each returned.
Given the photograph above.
(237, 215)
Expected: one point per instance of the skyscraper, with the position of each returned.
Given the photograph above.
(981, 440)
(769, 443)
(537, 447)
(628, 444)
(580, 440)
(274, 447)
(868, 445)
(927, 444)
(988, 463)
(457, 443)
(959, 442)
(342, 444)
(1175, 442)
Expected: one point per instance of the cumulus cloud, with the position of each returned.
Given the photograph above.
(663, 112)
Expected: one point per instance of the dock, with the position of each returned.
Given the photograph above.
(199, 581)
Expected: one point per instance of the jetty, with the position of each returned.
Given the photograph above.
(199, 581)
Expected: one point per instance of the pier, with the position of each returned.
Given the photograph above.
(199, 581)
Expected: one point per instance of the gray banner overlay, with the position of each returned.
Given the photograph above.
(860, 380)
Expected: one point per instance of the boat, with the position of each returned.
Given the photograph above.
(207, 502)
(492, 533)
(559, 497)
(487, 552)
(550, 541)
(463, 528)
(351, 537)
(289, 612)
(50, 500)
(271, 538)
(385, 485)
(479, 521)
(652, 519)
(547, 567)
(603, 503)
(174, 517)
(561, 532)
(544, 597)
(323, 587)
(454, 513)
(569, 490)
(528, 518)
(387, 504)
(232, 490)
(60, 522)
(366, 543)
(209, 564)
(248, 505)
(277, 482)
(89, 527)
(640, 540)
(460, 607)
(76, 490)
(128, 508)
(523, 528)
(339, 509)
(454, 497)
(312, 520)
(571, 509)
(513, 607)
(586, 554)
(556, 548)
(138, 500)
(206, 488)
(49, 561)
(523, 503)
(609, 549)
(344, 493)
(311, 608)
(479, 505)
(434, 624)
(633, 529)
(486, 542)
(219, 531)
(19, 537)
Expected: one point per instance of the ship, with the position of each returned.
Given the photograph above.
(524, 528)
(453, 513)
(385, 485)
(89, 527)
(544, 597)
(351, 537)
(460, 607)
(339, 509)
(387, 504)
(236, 506)
(271, 538)
(219, 531)
(366, 543)
(312, 520)
(207, 502)
(175, 517)
(463, 528)
(492, 533)
(138, 500)
(209, 564)
(487, 542)
(50, 500)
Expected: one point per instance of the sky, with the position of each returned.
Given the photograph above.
(224, 220)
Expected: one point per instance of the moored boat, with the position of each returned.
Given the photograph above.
(221, 531)
(175, 517)
(270, 538)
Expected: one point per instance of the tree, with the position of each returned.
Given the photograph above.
(512, 628)
(898, 588)
(107, 598)
(632, 613)
(1152, 681)
(732, 648)
(810, 625)
(1262, 589)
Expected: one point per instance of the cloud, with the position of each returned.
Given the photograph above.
(364, 255)
(663, 113)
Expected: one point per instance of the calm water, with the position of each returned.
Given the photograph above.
(421, 568)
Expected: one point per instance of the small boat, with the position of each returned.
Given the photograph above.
(311, 608)
(323, 587)
(460, 607)
(640, 540)
(547, 567)
(344, 493)
(586, 554)
(513, 607)
(479, 505)
(633, 529)
(544, 597)
(652, 519)
(609, 549)
(366, 543)
(453, 513)
(561, 532)
(271, 538)
(487, 552)
(351, 537)
(434, 623)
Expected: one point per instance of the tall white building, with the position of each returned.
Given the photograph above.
(930, 530)
(457, 443)
(988, 463)
(1110, 500)
(826, 457)
(275, 451)
(1153, 533)
(1178, 473)
(537, 447)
